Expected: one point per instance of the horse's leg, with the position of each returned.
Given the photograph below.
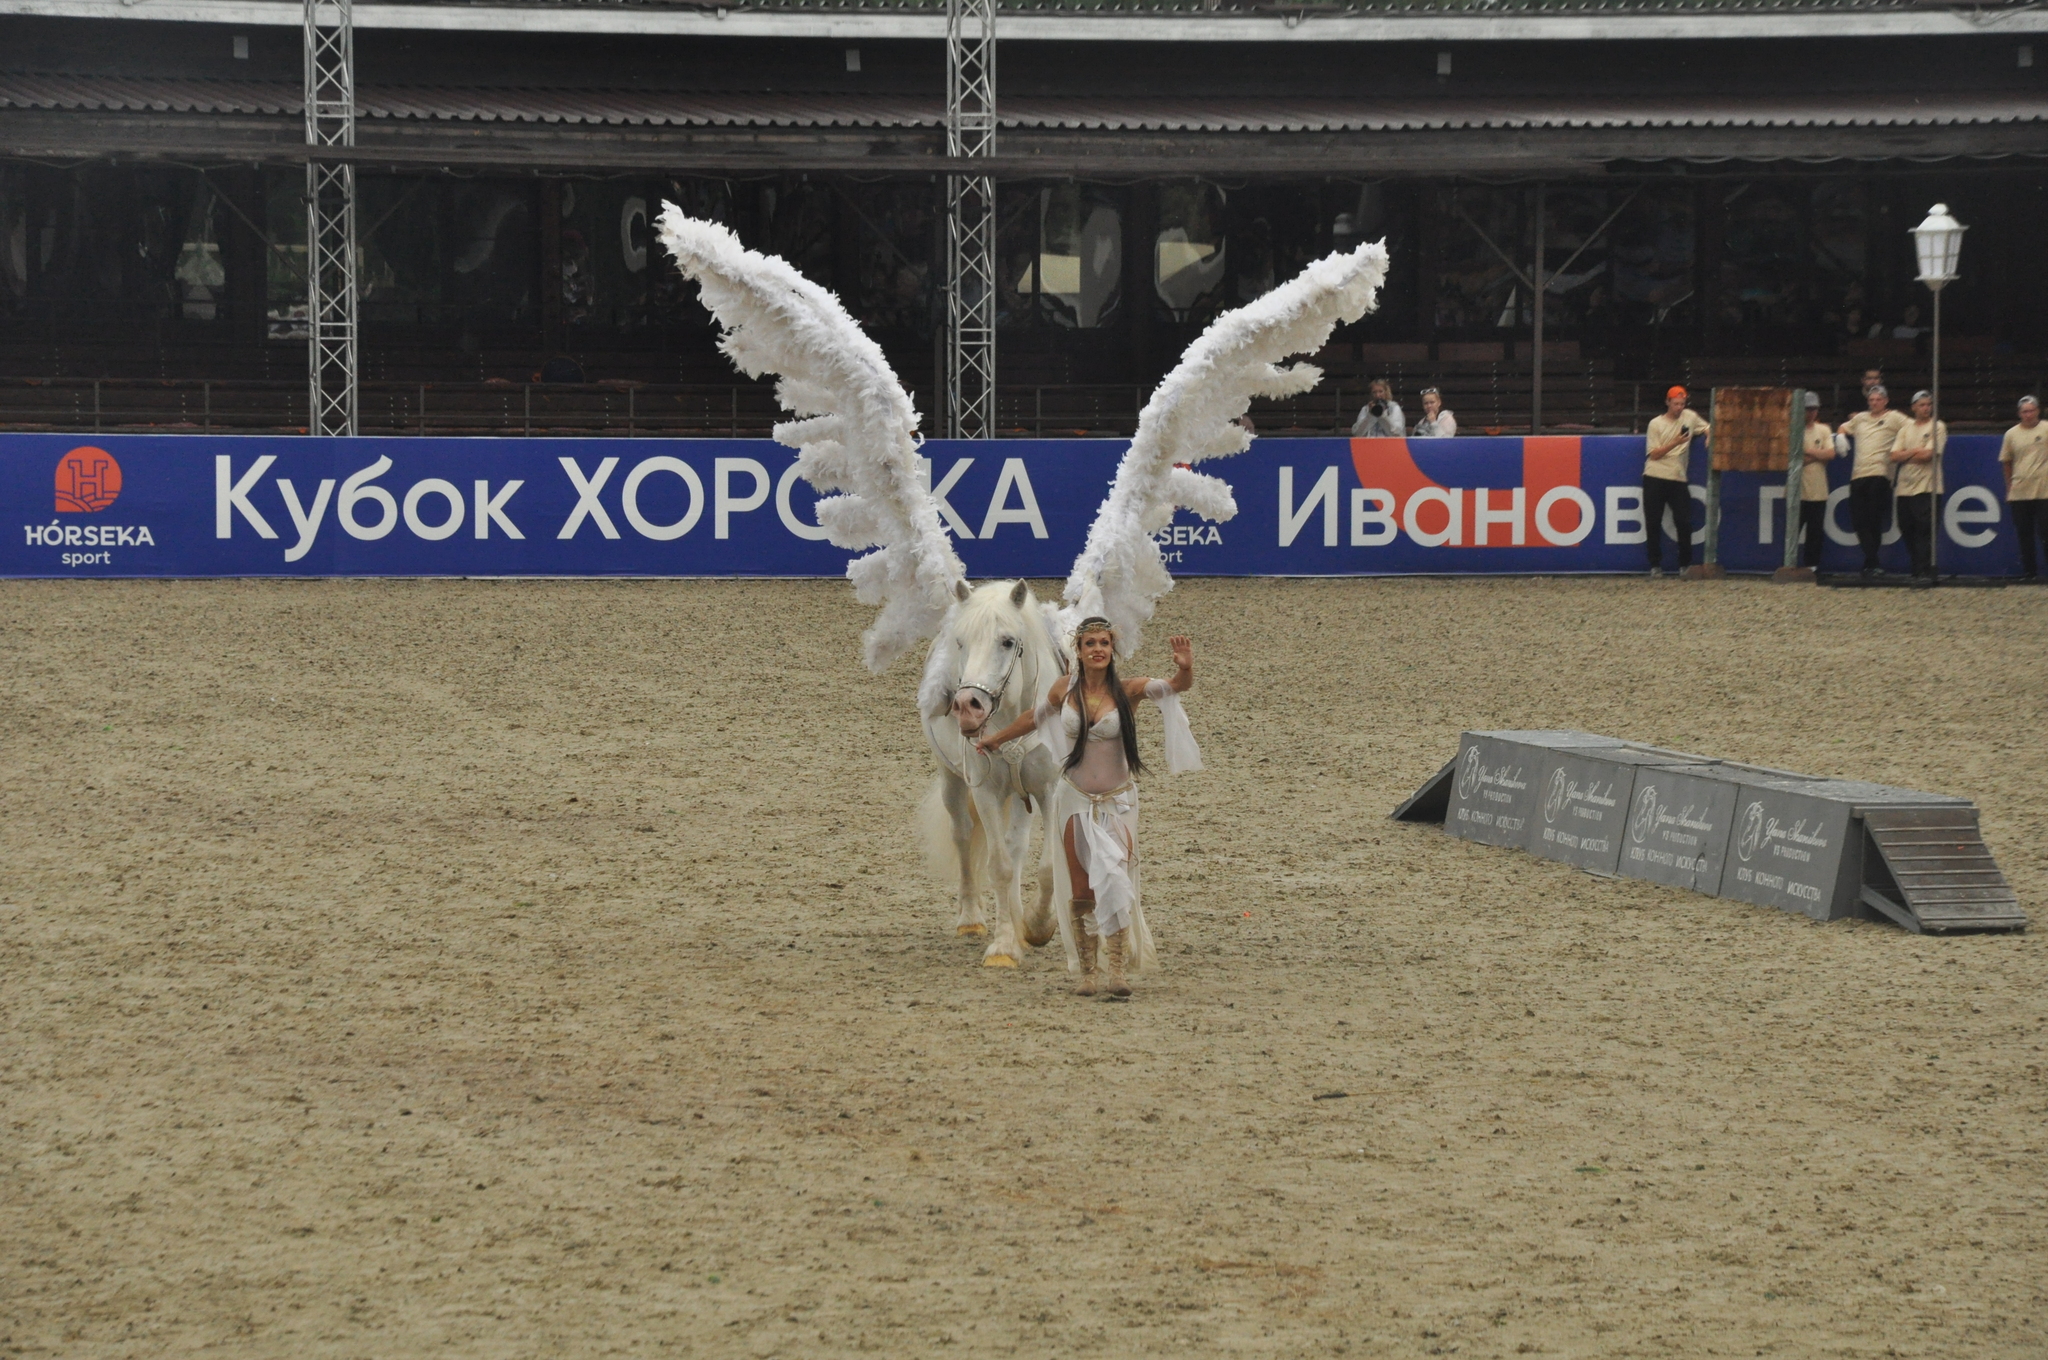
(1041, 925)
(966, 831)
(1007, 827)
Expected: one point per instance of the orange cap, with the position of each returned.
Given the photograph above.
(1677, 393)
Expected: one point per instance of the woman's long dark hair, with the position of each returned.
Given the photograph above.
(1126, 721)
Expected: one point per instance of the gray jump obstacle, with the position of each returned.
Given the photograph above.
(1828, 848)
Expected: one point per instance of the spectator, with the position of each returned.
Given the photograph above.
(1819, 451)
(1870, 475)
(1872, 377)
(1919, 488)
(1436, 422)
(2024, 459)
(1380, 417)
(1668, 445)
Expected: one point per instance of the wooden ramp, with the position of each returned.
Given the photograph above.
(1928, 869)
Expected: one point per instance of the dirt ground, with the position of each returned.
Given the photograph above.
(522, 969)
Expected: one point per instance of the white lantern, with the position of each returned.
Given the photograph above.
(1939, 242)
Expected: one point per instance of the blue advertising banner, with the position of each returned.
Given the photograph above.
(183, 505)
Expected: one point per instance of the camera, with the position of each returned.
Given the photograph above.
(1378, 408)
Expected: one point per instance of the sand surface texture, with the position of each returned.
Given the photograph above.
(511, 969)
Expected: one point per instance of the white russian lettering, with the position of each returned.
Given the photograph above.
(1379, 520)
(1453, 504)
(489, 508)
(1625, 515)
(814, 532)
(448, 491)
(586, 498)
(359, 488)
(1549, 501)
(230, 496)
(1770, 503)
(1484, 518)
(1958, 513)
(1323, 493)
(1013, 475)
(307, 522)
(629, 498)
(723, 504)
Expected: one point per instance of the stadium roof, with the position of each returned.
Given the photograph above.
(562, 130)
(630, 108)
(1132, 20)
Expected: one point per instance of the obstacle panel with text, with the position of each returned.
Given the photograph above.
(1827, 848)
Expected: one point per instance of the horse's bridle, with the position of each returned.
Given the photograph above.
(995, 696)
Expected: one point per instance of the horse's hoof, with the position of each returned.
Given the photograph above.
(1037, 941)
(999, 961)
(971, 929)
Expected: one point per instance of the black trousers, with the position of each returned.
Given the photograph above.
(2030, 518)
(1813, 516)
(1661, 494)
(1916, 526)
(1870, 504)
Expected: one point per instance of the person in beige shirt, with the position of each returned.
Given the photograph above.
(2024, 458)
(1817, 448)
(1667, 446)
(1873, 432)
(1916, 454)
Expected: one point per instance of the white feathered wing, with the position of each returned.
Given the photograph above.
(856, 434)
(1120, 574)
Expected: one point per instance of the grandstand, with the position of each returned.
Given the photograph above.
(1724, 192)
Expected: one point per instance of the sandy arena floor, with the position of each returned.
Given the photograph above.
(527, 969)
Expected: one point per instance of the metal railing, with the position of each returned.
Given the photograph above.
(1487, 399)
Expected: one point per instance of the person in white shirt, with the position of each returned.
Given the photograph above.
(1380, 417)
(1436, 422)
(2024, 456)
(1667, 449)
(1819, 447)
(1918, 483)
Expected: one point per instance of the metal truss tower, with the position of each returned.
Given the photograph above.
(330, 216)
(971, 221)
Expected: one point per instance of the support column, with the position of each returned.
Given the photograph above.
(971, 220)
(329, 32)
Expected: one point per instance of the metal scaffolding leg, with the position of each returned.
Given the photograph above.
(330, 217)
(971, 221)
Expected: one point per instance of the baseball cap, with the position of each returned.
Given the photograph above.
(1675, 394)
(1813, 401)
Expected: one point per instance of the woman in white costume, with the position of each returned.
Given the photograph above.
(1095, 803)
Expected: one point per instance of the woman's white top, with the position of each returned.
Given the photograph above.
(1442, 425)
(1102, 766)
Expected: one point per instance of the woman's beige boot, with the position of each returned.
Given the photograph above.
(1113, 970)
(1084, 917)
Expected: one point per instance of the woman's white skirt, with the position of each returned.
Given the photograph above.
(1106, 844)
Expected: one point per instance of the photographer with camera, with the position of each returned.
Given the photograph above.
(1381, 416)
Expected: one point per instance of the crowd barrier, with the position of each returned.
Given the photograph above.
(185, 505)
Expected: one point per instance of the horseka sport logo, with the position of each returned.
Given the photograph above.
(88, 481)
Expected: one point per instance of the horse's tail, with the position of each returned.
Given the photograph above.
(935, 834)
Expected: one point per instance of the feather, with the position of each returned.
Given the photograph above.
(1191, 418)
(855, 435)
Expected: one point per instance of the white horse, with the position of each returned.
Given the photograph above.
(993, 659)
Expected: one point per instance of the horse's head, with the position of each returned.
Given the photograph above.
(998, 646)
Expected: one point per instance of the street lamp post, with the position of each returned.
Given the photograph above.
(1938, 242)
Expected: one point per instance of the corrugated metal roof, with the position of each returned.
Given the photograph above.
(1224, 115)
